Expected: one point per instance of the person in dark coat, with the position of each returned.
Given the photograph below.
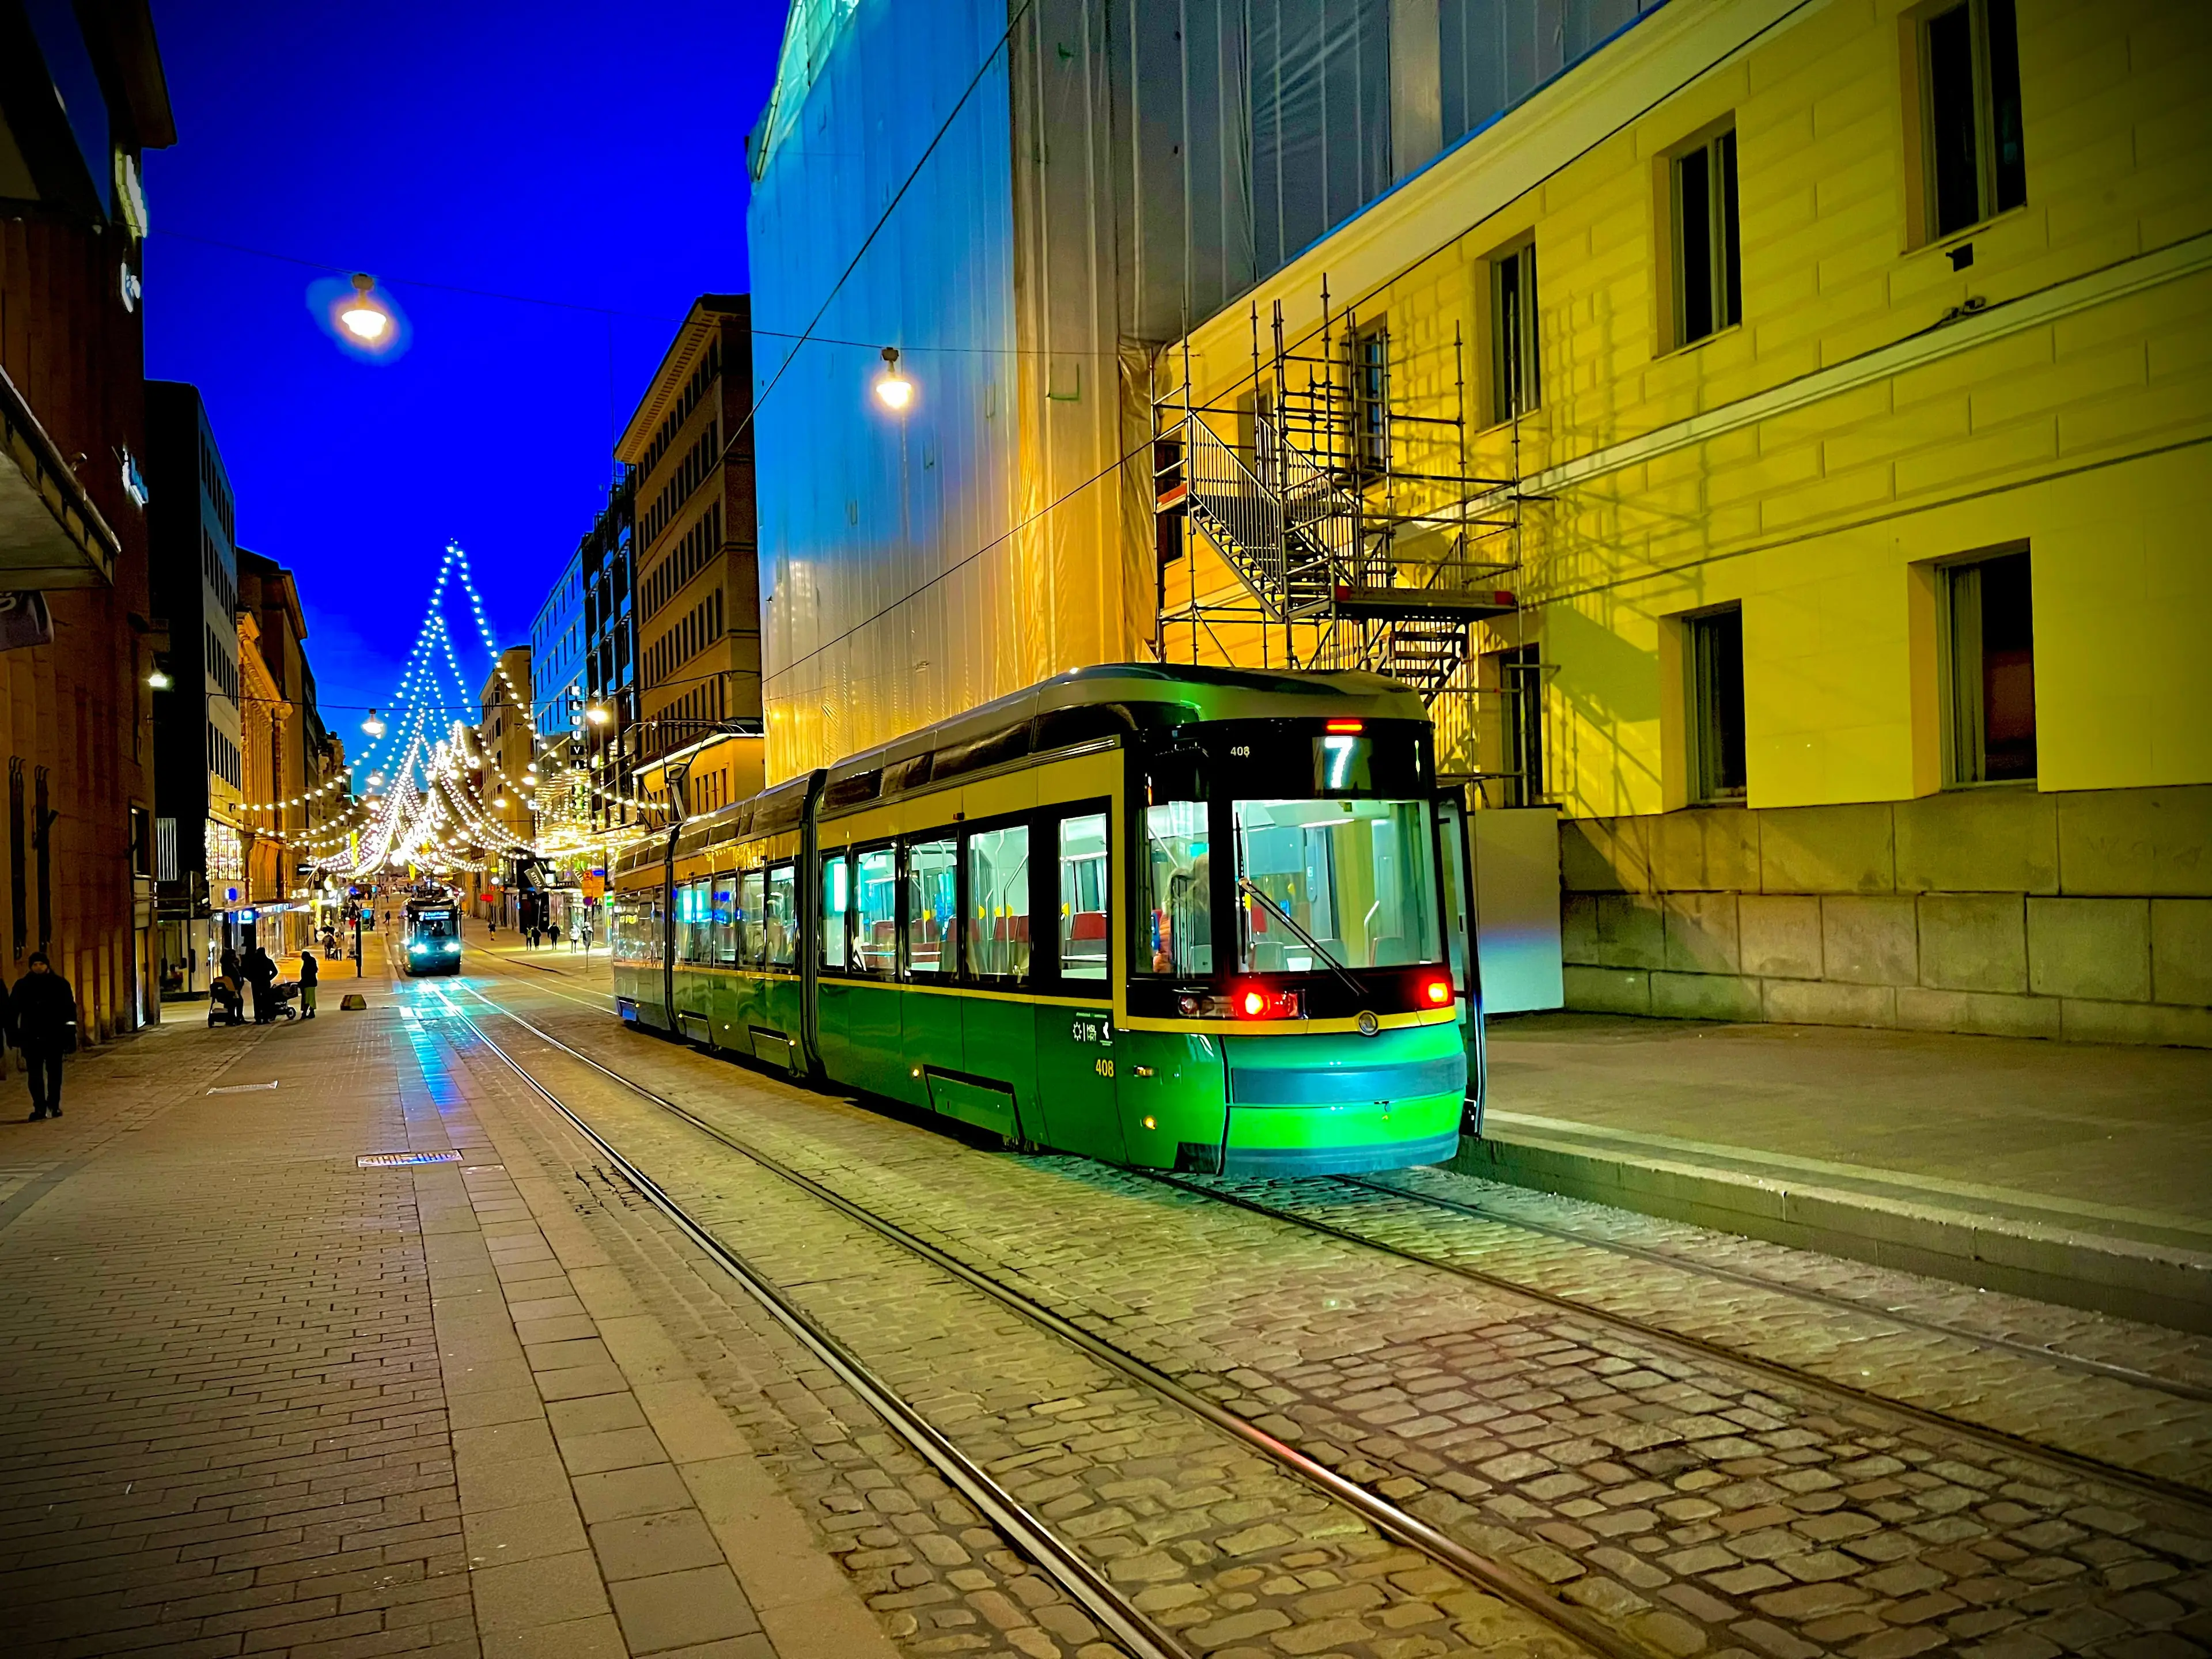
(308, 973)
(43, 1009)
(230, 964)
(260, 968)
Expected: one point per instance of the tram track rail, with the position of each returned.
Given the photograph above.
(1662, 1337)
(1086, 1584)
(1089, 1587)
(2082, 1364)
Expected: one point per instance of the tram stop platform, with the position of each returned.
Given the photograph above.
(261, 1398)
(2073, 1173)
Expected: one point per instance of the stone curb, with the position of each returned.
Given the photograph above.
(2160, 1283)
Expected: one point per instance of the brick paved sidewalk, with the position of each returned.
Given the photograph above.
(260, 1400)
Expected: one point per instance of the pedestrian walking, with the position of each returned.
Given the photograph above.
(260, 969)
(42, 1010)
(533, 936)
(308, 971)
(554, 932)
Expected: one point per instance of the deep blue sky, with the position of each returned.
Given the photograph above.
(564, 150)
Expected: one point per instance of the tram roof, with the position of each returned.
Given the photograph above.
(1107, 700)
(1151, 694)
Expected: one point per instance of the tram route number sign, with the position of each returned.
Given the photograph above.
(1092, 1028)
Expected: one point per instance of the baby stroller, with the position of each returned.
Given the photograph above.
(284, 1001)
(225, 1005)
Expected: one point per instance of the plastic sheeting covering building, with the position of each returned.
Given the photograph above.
(1099, 176)
(913, 565)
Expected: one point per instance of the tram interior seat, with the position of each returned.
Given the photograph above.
(1088, 925)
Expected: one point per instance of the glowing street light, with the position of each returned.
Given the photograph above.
(159, 680)
(372, 724)
(365, 319)
(894, 388)
(599, 714)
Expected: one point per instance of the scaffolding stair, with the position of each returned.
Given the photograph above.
(1296, 539)
(1289, 545)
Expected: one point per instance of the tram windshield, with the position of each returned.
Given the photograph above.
(1358, 877)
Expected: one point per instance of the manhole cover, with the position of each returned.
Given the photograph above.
(394, 1160)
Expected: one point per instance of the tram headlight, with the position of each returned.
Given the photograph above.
(452, 947)
(414, 947)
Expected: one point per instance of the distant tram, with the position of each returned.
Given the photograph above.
(430, 936)
(1209, 920)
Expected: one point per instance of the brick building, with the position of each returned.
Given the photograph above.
(83, 98)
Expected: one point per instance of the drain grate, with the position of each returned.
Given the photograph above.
(396, 1160)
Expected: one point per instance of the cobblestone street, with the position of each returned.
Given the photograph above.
(264, 1398)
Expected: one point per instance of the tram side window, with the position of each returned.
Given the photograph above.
(875, 911)
(629, 929)
(837, 901)
(726, 918)
(694, 922)
(932, 907)
(780, 917)
(1086, 902)
(999, 890)
(751, 887)
(1179, 881)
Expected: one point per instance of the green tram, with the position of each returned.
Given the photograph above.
(1205, 920)
(430, 929)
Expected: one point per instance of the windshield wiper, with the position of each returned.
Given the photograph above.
(1247, 884)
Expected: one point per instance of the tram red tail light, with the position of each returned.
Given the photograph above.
(1263, 1002)
(1345, 728)
(1437, 991)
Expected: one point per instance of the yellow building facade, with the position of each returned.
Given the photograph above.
(1845, 434)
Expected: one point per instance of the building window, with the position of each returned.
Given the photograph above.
(1371, 394)
(1708, 263)
(1977, 167)
(1515, 386)
(1715, 662)
(1521, 669)
(1988, 637)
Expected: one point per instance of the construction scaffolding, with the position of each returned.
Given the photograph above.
(1355, 533)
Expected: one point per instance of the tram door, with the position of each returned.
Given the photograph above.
(1077, 1055)
(1458, 874)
